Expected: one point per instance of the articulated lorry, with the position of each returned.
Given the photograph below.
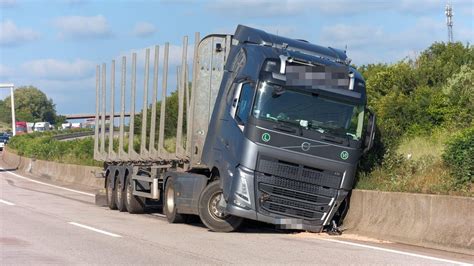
(270, 129)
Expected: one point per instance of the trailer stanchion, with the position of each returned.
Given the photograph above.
(151, 148)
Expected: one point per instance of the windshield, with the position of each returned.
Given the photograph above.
(309, 111)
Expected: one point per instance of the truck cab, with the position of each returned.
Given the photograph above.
(287, 130)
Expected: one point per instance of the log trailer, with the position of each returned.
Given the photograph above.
(270, 129)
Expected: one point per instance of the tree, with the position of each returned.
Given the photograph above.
(382, 79)
(5, 114)
(441, 60)
(31, 105)
(460, 92)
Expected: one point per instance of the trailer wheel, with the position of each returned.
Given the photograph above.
(210, 213)
(119, 196)
(110, 193)
(133, 204)
(169, 204)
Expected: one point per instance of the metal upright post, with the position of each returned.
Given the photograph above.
(122, 107)
(161, 135)
(131, 150)
(179, 130)
(151, 148)
(143, 150)
(112, 110)
(12, 99)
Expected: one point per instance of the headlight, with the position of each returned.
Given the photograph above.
(243, 191)
(242, 194)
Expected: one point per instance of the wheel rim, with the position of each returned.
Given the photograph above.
(129, 192)
(119, 193)
(170, 200)
(213, 207)
(109, 192)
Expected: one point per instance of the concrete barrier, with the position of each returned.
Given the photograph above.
(68, 173)
(433, 221)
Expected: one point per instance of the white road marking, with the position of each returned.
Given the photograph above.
(7, 202)
(95, 229)
(49, 185)
(158, 214)
(396, 251)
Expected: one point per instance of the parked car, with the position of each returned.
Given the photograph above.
(3, 141)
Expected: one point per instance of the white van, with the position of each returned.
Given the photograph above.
(66, 125)
(42, 126)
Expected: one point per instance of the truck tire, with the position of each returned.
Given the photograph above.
(133, 204)
(211, 216)
(169, 203)
(119, 195)
(110, 193)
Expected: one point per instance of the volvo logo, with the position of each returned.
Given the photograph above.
(305, 146)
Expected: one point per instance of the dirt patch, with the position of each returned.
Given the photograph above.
(343, 236)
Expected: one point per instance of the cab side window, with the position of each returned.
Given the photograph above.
(245, 104)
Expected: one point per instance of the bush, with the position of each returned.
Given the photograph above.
(44, 147)
(459, 156)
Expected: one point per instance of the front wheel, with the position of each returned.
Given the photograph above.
(211, 214)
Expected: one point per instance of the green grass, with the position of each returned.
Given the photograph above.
(423, 146)
(416, 166)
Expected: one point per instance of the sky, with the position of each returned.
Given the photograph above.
(55, 45)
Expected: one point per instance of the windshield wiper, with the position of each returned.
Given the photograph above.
(283, 126)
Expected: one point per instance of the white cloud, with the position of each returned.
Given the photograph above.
(53, 69)
(269, 8)
(257, 8)
(370, 44)
(144, 29)
(8, 3)
(11, 35)
(340, 35)
(78, 27)
(5, 71)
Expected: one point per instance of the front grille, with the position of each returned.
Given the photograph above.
(293, 194)
(292, 190)
(298, 172)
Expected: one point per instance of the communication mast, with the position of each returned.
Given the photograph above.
(449, 21)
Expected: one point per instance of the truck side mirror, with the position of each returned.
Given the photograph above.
(370, 133)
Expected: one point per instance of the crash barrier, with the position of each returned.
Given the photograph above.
(74, 135)
(87, 176)
(433, 221)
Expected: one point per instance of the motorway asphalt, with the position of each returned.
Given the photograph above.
(42, 223)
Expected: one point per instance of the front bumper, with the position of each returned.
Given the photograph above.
(289, 203)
